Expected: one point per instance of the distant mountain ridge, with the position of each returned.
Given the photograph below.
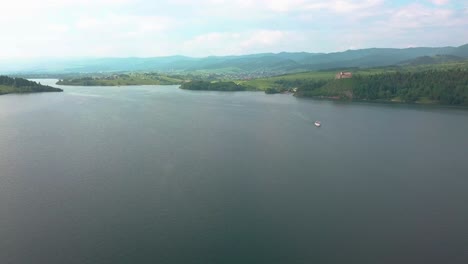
(432, 60)
(278, 63)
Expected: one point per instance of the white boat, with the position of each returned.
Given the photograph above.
(317, 123)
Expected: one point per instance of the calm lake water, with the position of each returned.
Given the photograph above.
(155, 174)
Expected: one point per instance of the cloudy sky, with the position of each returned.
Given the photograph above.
(122, 28)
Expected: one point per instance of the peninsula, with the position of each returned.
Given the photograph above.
(124, 79)
(20, 85)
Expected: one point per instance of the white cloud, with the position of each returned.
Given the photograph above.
(221, 27)
(420, 16)
(440, 2)
(58, 28)
(257, 41)
(114, 23)
(283, 6)
(265, 38)
(236, 7)
(213, 44)
(353, 6)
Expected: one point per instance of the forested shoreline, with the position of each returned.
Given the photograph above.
(20, 85)
(214, 86)
(433, 86)
(437, 85)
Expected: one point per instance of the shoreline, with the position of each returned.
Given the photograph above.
(321, 98)
(384, 102)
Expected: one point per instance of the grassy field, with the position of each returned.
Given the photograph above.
(138, 78)
(124, 79)
(270, 82)
(6, 89)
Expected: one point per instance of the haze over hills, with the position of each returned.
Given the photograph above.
(432, 60)
(273, 63)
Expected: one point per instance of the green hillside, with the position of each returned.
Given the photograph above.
(124, 79)
(20, 85)
(424, 60)
(265, 64)
(444, 83)
(296, 79)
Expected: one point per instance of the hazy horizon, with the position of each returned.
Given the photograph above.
(59, 58)
(141, 28)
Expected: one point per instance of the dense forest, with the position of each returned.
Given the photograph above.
(20, 85)
(432, 86)
(213, 86)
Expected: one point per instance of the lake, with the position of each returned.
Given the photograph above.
(156, 174)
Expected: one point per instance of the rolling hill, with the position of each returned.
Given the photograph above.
(272, 63)
(424, 60)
